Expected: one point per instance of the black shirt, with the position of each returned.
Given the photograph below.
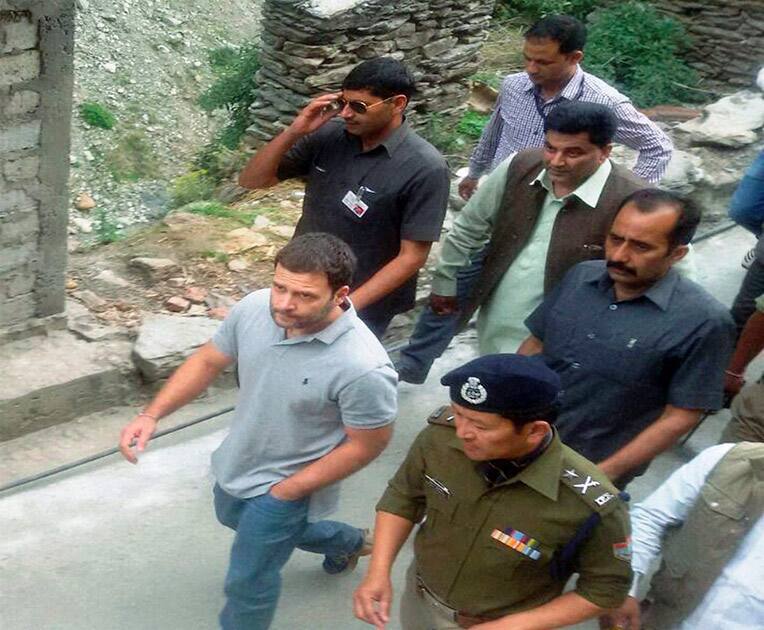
(405, 185)
(622, 362)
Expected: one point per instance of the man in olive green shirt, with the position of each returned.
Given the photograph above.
(500, 502)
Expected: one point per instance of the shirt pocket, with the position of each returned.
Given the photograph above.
(623, 359)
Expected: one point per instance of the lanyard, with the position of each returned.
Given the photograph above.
(541, 106)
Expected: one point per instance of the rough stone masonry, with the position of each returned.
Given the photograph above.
(36, 43)
(308, 46)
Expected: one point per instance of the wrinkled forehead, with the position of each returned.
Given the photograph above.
(305, 281)
(360, 95)
(565, 141)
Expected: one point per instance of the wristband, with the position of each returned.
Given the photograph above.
(149, 415)
(734, 374)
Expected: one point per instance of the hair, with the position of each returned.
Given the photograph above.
(572, 117)
(689, 212)
(319, 252)
(567, 31)
(383, 77)
(548, 413)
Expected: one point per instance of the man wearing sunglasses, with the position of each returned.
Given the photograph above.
(370, 180)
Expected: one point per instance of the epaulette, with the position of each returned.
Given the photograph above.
(595, 490)
(443, 416)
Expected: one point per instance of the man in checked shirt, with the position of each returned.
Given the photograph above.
(554, 47)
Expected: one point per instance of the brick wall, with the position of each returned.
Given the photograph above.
(35, 108)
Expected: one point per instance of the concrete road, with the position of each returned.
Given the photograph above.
(111, 546)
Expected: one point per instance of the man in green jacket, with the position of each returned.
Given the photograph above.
(506, 513)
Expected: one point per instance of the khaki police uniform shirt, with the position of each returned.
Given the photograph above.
(487, 551)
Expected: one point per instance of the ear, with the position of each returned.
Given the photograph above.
(535, 431)
(606, 150)
(400, 102)
(341, 293)
(576, 56)
(678, 253)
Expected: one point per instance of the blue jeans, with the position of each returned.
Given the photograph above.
(432, 332)
(747, 204)
(267, 532)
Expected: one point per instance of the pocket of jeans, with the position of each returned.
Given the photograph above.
(283, 503)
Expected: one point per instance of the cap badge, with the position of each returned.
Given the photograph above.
(473, 392)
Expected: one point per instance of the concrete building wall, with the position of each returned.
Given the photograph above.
(36, 45)
(309, 46)
(727, 37)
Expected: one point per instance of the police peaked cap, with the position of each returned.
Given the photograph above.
(511, 385)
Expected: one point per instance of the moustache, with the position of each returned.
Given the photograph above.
(620, 267)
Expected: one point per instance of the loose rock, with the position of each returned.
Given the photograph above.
(155, 269)
(84, 202)
(177, 305)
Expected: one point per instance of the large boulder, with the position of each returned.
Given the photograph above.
(165, 341)
(729, 122)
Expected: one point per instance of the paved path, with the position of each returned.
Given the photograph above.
(111, 546)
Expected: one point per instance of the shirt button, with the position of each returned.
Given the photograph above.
(591, 336)
(575, 365)
(613, 307)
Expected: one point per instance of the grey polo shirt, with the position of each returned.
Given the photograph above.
(622, 362)
(296, 397)
(405, 185)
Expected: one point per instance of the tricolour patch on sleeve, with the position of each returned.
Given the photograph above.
(622, 550)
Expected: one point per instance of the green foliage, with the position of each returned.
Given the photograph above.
(219, 162)
(132, 159)
(535, 9)
(218, 256)
(472, 123)
(439, 132)
(193, 186)
(491, 79)
(217, 209)
(96, 115)
(105, 227)
(234, 89)
(638, 49)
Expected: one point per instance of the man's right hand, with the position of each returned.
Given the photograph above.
(135, 436)
(444, 304)
(372, 599)
(627, 617)
(467, 187)
(315, 114)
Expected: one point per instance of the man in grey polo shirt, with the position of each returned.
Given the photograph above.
(317, 403)
(640, 349)
(369, 179)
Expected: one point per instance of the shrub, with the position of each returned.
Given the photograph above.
(234, 89)
(440, 132)
(193, 186)
(535, 9)
(97, 115)
(472, 123)
(638, 49)
(105, 227)
(132, 158)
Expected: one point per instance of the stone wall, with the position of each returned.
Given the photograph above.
(36, 39)
(309, 46)
(728, 37)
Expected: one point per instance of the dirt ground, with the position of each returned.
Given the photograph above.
(198, 245)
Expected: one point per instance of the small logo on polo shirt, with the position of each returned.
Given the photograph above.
(473, 391)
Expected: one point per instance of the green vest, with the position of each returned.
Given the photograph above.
(694, 555)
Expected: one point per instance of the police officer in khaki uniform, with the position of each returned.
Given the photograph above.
(506, 511)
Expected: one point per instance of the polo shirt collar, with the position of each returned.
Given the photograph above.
(569, 92)
(329, 334)
(659, 294)
(589, 191)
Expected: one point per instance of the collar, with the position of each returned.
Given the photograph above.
(543, 474)
(569, 92)
(590, 189)
(390, 143)
(331, 333)
(659, 293)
